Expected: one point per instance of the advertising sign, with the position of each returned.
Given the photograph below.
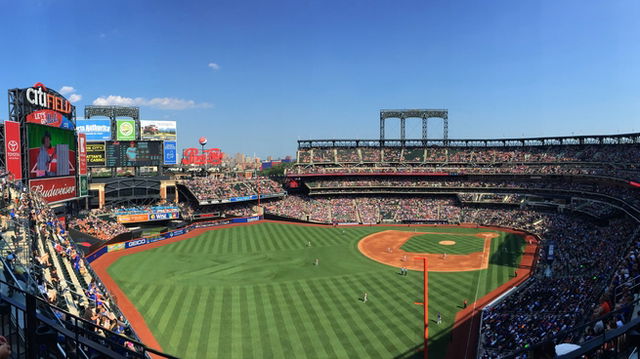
(96, 130)
(135, 243)
(158, 130)
(83, 186)
(54, 189)
(133, 153)
(163, 216)
(12, 149)
(50, 118)
(132, 218)
(82, 154)
(146, 217)
(52, 151)
(95, 154)
(170, 153)
(115, 247)
(40, 96)
(125, 130)
(193, 156)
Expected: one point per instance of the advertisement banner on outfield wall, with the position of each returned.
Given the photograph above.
(175, 233)
(155, 238)
(125, 130)
(115, 247)
(95, 130)
(12, 149)
(170, 153)
(135, 243)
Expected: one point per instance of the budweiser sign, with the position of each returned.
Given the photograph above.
(54, 189)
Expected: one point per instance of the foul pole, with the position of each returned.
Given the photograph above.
(425, 304)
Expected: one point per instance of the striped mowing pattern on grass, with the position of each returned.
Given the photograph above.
(429, 243)
(252, 291)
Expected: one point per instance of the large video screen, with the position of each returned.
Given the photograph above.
(52, 151)
(134, 153)
(158, 130)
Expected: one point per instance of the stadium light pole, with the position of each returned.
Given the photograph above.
(425, 304)
(258, 180)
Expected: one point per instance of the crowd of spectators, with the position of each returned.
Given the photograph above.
(209, 188)
(300, 207)
(599, 169)
(369, 209)
(239, 209)
(323, 155)
(59, 271)
(623, 192)
(607, 160)
(491, 198)
(347, 155)
(566, 287)
(608, 153)
(343, 209)
(102, 227)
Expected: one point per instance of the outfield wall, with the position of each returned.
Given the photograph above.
(162, 236)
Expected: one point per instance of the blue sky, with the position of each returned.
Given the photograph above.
(289, 70)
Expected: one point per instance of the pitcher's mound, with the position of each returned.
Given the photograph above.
(447, 243)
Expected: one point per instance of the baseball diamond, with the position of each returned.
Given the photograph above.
(269, 299)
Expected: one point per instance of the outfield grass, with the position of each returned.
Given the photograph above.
(252, 291)
(429, 243)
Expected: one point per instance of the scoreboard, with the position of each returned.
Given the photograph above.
(133, 153)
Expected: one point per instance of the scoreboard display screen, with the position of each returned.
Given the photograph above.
(133, 153)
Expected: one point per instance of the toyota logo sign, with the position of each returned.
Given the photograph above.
(13, 146)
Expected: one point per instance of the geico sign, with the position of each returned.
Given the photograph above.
(137, 243)
(36, 96)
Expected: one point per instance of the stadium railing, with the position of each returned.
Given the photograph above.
(34, 335)
(610, 343)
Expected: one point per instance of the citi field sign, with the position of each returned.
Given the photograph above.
(40, 96)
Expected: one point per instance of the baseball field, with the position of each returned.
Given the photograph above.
(254, 291)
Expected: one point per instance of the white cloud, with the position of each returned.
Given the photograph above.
(214, 66)
(112, 100)
(65, 90)
(70, 91)
(163, 103)
(75, 98)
